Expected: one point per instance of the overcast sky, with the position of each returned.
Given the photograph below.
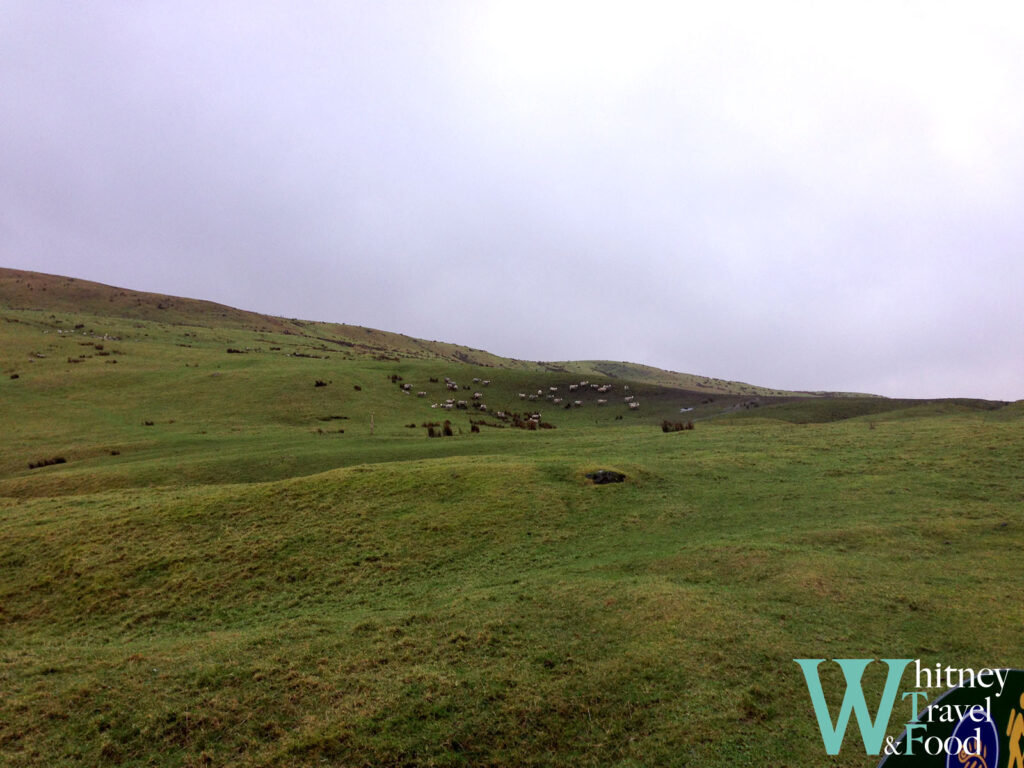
(815, 195)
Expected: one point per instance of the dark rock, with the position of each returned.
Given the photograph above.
(602, 476)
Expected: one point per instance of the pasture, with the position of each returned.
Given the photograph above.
(232, 567)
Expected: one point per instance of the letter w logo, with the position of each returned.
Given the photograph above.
(871, 732)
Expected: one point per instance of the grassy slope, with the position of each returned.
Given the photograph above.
(33, 290)
(47, 294)
(242, 584)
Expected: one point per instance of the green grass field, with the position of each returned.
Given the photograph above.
(229, 568)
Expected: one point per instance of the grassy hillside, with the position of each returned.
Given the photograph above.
(22, 290)
(229, 568)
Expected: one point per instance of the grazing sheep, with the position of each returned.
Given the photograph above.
(634, 405)
(601, 401)
(577, 403)
(522, 395)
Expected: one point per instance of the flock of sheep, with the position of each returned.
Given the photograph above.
(551, 395)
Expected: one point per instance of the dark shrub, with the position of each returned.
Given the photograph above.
(47, 462)
(677, 426)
